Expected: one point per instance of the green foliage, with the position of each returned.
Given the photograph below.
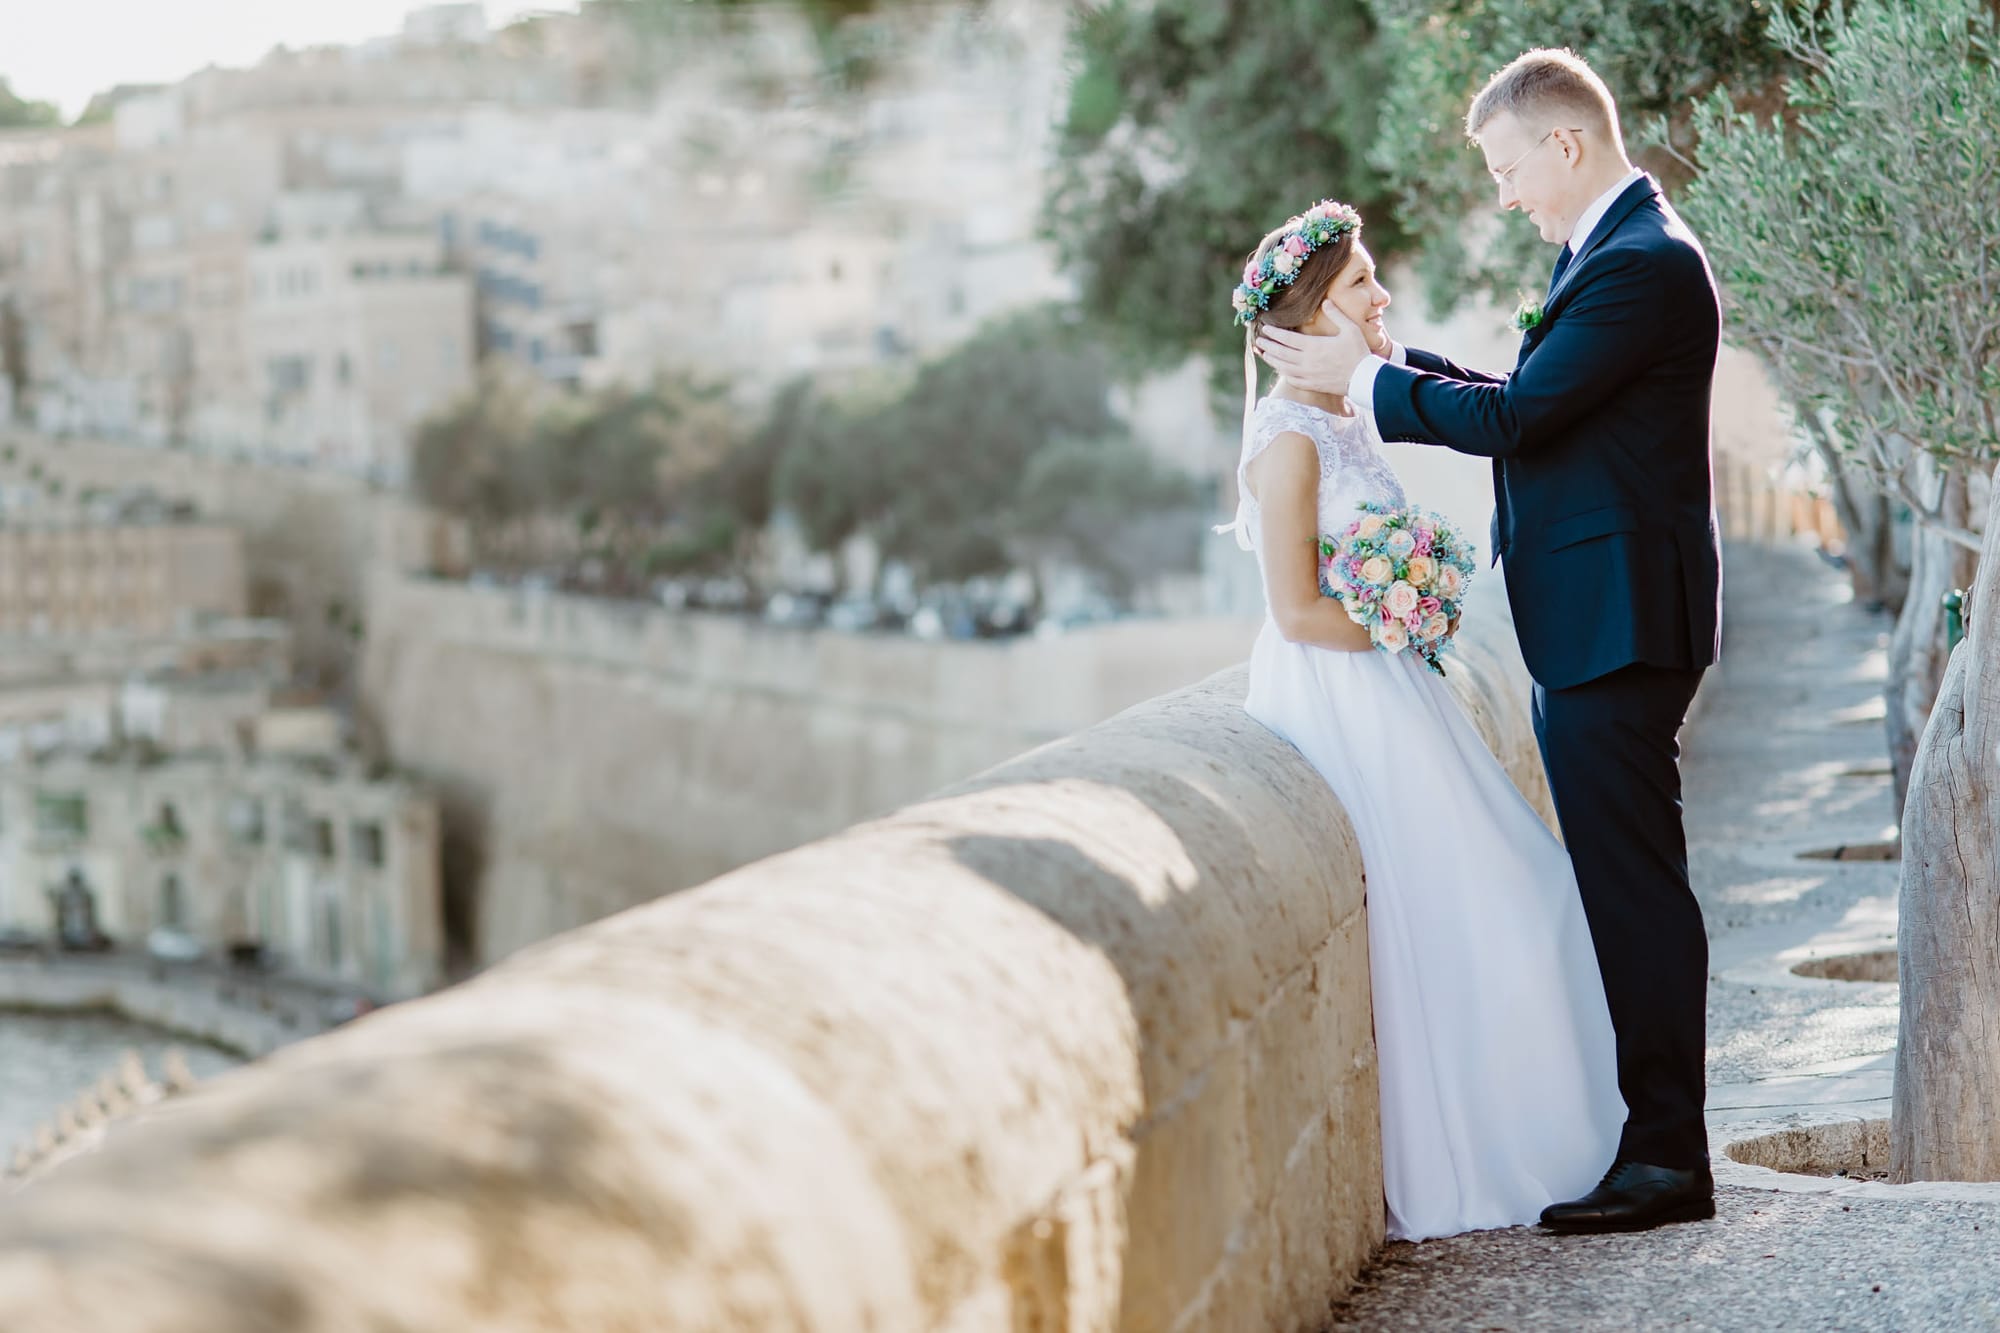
(999, 454)
(1659, 60)
(1107, 505)
(1003, 450)
(1860, 246)
(476, 458)
(17, 113)
(1193, 128)
(851, 36)
(629, 471)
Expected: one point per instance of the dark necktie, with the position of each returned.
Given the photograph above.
(1562, 263)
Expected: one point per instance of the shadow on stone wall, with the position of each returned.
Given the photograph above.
(1082, 1042)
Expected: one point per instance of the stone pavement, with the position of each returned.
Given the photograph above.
(1785, 755)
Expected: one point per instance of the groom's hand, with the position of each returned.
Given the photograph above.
(1320, 364)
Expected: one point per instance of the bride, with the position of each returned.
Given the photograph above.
(1499, 1087)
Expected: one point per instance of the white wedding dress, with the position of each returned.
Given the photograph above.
(1498, 1070)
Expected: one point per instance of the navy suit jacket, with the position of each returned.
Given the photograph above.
(1600, 441)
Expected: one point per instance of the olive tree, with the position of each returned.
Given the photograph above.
(1659, 60)
(1662, 61)
(1942, 1125)
(1858, 245)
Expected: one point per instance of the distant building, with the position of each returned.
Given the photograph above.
(441, 25)
(353, 338)
(57, 692)
(335, 873)
(82, 579)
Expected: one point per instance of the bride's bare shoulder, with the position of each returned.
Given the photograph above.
(1289, 459)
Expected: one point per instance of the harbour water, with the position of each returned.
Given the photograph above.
(47, 1059)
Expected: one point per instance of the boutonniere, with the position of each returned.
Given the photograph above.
(1527, 315)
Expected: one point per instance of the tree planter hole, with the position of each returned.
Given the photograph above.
(1868, 771)
(1857, 851)
(1856, 1149)
(1875, 965)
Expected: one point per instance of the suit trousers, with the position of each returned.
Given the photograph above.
(1611, 747)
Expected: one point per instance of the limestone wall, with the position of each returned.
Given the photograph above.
(596, 754)
(1082, 1043)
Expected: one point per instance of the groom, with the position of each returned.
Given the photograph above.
(1605, 514)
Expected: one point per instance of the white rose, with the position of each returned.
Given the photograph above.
(1285, 262)
(1376, 569)
(1392, 637)
(1450, 581)
(1433, 628)
(1401, 542)
(1401, 599)
(1370, 525)
(1421, 570)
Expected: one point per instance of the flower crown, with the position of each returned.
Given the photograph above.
(1322, 224)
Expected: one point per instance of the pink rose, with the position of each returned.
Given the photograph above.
(1251, 272)
(1296, 245)
(1430, 606)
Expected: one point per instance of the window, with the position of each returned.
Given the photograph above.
(333, 942)
(298, 828)
(289, 374)
(165, 833)
(62, 814)
(366, 840)
(245, 819)
(173, 905)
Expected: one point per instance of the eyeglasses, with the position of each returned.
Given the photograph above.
(1505, 176)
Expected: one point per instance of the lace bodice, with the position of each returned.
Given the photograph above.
(1351, 467)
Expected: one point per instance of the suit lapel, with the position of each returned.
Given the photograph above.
(1635, 194)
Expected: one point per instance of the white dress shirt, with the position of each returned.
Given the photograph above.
(1361, 385)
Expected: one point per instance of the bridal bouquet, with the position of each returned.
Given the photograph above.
(1401, 574)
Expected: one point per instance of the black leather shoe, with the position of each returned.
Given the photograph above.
(1636, 1197)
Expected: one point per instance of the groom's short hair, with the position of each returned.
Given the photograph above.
(1552, 85)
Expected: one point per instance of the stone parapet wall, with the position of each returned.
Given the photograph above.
(1082, 1043)
(595, 754)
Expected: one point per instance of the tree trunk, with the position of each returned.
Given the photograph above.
(1880, 578)
(1879, 575)
(1948, 938)
(1917, 645)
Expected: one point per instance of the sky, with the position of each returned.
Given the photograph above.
(62, 51)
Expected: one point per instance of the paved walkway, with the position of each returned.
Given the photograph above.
(1785, 755)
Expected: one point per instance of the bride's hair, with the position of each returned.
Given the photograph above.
(1293, 305)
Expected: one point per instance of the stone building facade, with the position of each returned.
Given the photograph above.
(333, 872)
(351, 337)
(80, 578)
